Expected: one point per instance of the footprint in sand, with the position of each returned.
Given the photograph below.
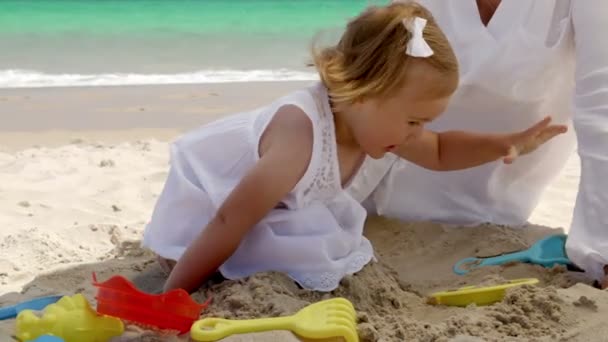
(107, 163)
(24, 204)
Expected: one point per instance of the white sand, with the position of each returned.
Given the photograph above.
(73, 204)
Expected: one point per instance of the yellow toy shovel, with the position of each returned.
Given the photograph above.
(477, 295)
(326, 319)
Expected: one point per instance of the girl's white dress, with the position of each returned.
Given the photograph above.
(315, 235)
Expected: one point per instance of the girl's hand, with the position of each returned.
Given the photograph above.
(529, 140)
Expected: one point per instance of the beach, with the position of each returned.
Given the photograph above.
(93, 92)
(81, 167)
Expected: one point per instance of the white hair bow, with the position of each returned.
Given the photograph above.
(417, 46)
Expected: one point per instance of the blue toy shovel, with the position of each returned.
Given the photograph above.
(33, 304)
(546, 252)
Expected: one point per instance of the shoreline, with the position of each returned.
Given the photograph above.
(183, 84)
(131, 107)
(55, 116)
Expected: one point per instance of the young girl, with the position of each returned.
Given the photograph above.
(265, 190)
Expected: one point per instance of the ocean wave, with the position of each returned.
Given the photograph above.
(30, 78)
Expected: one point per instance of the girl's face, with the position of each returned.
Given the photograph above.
(379, 125)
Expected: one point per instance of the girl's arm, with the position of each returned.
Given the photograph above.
(456, 150)
(285, 151)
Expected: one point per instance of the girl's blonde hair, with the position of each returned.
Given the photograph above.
(370, 59)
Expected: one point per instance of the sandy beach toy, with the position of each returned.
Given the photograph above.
(174, 310)
(477, 295)
(548, 252)
(33, 304)
(326, 319)
(72, 319)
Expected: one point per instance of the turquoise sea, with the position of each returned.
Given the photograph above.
(107, 42)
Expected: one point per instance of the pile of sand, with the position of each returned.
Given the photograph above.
(390, 306)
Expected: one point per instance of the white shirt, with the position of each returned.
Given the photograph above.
(315, 236)
(535, 58)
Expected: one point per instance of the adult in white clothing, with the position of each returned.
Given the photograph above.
(520, 60)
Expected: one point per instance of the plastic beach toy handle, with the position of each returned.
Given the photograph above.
(214, 329)
(32, 304)
(474, 263)
(8, 312)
